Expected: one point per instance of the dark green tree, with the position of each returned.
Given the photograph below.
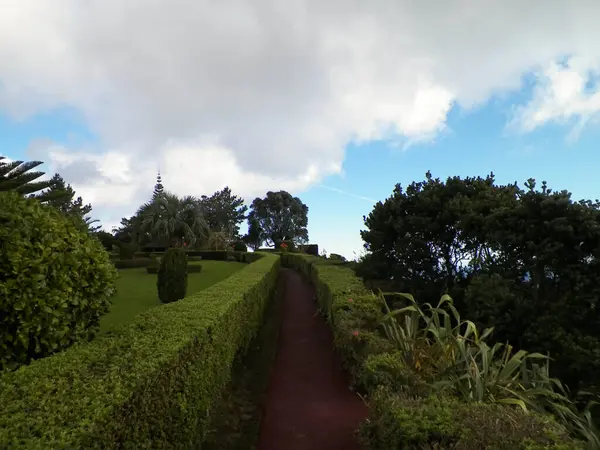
(19, 176)
(279, 217)
(172, 277)
(61, 196)
(224, 212)
(158, 188)
(173, 220)
(522, 260)
(106, 238)
(422, 236)
(254, 238)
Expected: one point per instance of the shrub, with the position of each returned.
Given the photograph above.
(240, 246)
(311, 249)
(55, 281)
(172, 276)
(336, 257)
(127, 250)
(411, 353)
(399, 422)
(153, 383)
(387, 369)
(209, 255)
(133, 263)
(107, 239)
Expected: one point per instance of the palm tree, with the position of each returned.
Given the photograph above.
(176, 220)
(17, 176)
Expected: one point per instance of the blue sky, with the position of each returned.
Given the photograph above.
(474, 143)
(319, 98)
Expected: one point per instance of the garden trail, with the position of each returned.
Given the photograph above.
(308, 404)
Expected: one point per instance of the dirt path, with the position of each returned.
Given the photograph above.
(308, 404)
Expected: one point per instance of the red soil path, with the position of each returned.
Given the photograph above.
(308, 404)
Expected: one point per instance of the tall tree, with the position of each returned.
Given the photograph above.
(254, 238)
(18, 176)
(224, 212)
(174, 220)
(158, 187)
(524, 261)
(423, 235)
(279, 217)
(61, 196)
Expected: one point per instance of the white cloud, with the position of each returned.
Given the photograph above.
(266, 94)
(562, 95)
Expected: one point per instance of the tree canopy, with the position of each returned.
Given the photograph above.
(276, 218)
(167, 220)
(61, 196)
(523, 260)
(173, 220)
(224, 212)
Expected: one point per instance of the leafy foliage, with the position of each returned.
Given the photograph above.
(446, 352)
(224, 212)
(173, 220)
(276, 218)
(55, 281)
(401, 422)
(60, 195)
(168, 220)
(17, 176)
(523, 260)
(155, 382)
(217, 240)
(255, 237)
(239, 246)
(172, 276)
(107, 239)
(414, 367)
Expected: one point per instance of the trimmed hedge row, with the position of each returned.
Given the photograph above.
(133, 263)
(191, 268)
(150, 384)
(399, 419)
(142, 262)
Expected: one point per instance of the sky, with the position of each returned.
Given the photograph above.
(334, 101)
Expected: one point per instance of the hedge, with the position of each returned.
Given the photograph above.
(191, 268)
(140, 262)
(150, 384)
(401, 421)
(133, 263)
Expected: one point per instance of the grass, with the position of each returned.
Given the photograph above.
(136, 290)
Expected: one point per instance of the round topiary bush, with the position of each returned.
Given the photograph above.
(55, 281)
(172, 276)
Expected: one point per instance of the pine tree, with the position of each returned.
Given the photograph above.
(158, 188)
(61, 196)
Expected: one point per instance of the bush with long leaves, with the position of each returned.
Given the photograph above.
(452, 356)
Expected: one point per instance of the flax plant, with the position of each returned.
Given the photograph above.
(453, 357)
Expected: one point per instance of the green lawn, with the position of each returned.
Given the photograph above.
(136, 290)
